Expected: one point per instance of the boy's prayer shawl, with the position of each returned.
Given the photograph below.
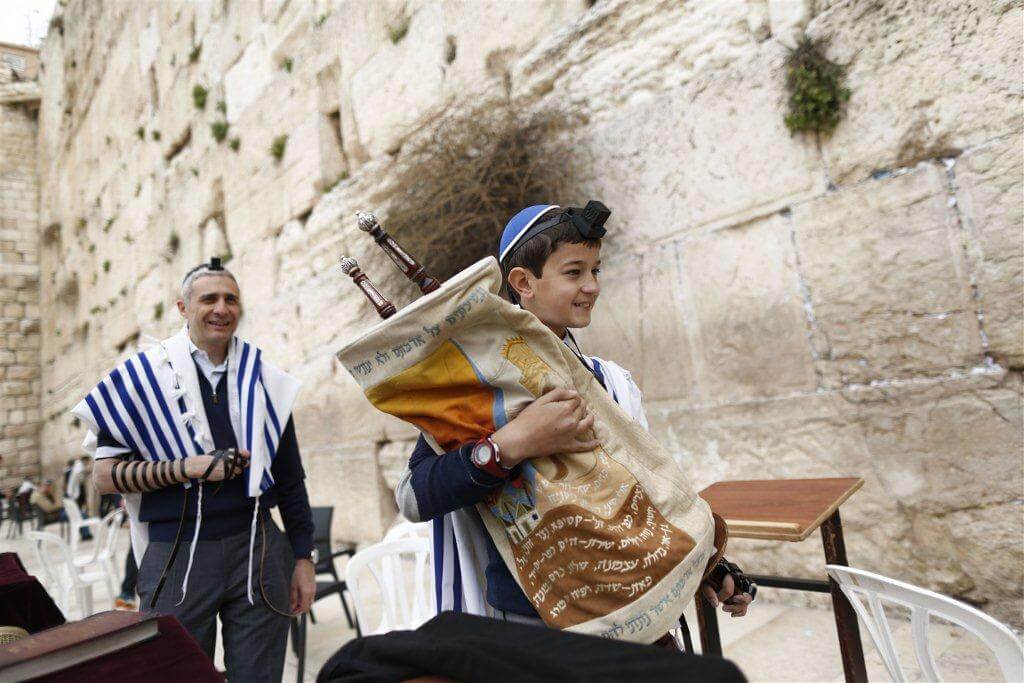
(152, 405)
(612, 542)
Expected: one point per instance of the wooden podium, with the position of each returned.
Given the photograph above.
(789, 510)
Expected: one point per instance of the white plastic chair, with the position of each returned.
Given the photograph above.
(76, 521)
(103, 549)
(862, 586)
(407, 529)
(60, 573)
(388, 563)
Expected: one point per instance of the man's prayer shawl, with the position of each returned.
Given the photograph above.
(151, 404)
(612, 542)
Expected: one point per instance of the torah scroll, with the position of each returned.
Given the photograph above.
(612, 542)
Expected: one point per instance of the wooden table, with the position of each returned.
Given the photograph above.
(789, 510)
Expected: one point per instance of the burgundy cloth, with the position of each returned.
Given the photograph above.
(23, 601)
(171, 657)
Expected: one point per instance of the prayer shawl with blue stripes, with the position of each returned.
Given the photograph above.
(152, 405)
(459, 537)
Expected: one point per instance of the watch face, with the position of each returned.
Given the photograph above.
(482, 453)
(314, 556)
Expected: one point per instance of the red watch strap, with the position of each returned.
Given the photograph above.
(491, 466)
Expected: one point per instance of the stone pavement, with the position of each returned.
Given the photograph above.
(775, 642)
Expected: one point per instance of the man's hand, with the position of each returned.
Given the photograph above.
(303, 586)
(556, 422)
(195, 466)
(738, 607)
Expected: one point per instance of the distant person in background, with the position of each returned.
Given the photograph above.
(45, 498)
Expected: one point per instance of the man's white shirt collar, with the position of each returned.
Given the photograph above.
(211, 372)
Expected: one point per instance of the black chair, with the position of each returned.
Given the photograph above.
(322, 517)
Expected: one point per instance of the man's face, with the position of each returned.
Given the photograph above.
(565, 294)
(213, 310)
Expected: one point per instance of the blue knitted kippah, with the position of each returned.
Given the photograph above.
(517, 227)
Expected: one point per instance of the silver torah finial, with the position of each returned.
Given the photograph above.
(367, 221)
(348, 264)
(385, 309)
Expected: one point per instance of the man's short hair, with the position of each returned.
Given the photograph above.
(534, 253)
(202, 270)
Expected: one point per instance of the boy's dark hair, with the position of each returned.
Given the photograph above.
(534, 253)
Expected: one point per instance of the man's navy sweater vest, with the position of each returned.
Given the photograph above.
(229, 511)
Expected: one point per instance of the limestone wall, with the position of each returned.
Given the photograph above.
(19, 281)
(790, 306)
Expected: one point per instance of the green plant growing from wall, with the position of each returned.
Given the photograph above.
(234, 144)
(817, 94)
(287, 63)
(173, 244)
(219, 129)
(158, 310)
(108, 224)
(193, 56)
(106, 266)
(199, 95)
(156, 135)
(222, 107)
(140, 132)
(398, 30)
(81, 224)
(278, 146)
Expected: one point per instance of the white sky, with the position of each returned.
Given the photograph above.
(24, 22)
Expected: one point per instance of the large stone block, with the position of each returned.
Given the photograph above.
(742, 290)
(349, 479)
(667, 334)
(988, 191)
(409, 71)
(927, 79)
(703, 155)
(886, 279)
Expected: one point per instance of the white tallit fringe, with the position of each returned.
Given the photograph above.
(252, 541)
(192, 549)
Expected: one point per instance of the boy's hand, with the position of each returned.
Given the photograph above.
(556, 422)
(733, 603)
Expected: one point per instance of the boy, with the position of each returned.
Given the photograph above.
(550, 260)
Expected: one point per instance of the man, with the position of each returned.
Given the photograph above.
(196, 433)
(551, 270)
(46, 500)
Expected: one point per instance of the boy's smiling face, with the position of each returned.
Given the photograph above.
(565, 294)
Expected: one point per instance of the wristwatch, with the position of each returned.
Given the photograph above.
(487, 456)
(314, 556)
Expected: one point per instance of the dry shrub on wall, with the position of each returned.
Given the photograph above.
(460, 184)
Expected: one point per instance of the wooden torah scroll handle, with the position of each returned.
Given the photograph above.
(721, 540)
(385, 309)
(409, 266)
